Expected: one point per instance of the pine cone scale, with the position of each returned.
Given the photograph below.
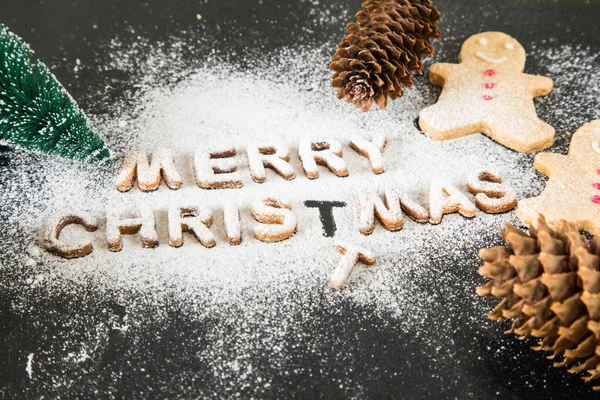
(560, 286)
(590, 280)
(587, 348)
(527, 267)
(592, 303)
(594, 327)
(554, 264)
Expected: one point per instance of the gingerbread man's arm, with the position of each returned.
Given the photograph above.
(547, 163)
(538, 85)
(438, 73)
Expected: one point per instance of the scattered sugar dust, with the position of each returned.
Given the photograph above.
(234, 305)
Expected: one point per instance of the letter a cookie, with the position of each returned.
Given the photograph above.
(573, 190)
(487, 92)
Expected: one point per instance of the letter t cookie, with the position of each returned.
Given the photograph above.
(487, 92)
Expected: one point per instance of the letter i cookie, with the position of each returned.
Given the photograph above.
(573, 190)
(487, 92)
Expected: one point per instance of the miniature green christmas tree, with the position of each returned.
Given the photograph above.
(36, 112)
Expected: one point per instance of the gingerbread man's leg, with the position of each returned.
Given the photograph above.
(528, 211)
(551, 205)
(524, 134)
(448, 120)
(587, 218)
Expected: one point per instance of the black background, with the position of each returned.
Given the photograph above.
(61, 31)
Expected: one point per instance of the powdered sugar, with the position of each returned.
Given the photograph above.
(570, 67)
(275, 286)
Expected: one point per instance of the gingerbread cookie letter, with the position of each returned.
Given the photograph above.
(491, 196)
(116, 226)
(328, 154)
(275, 156)
(72, 249)
(148, 174)
(191, 218)
(372, 150)
(233, 228)
(487, 92)
(351, 255)
(278, 220)
(216, 168)
(389, 213)
(445, 199)
(573, 189)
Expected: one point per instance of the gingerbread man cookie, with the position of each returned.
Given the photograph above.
(487, 92)
(573, 190)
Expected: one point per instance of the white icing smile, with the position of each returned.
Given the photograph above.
(490, 59)
(596, 147)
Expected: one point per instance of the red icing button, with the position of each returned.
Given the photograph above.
(597, 186)
(490, 72)
(489, 85)
(596, 199)
(487, 97)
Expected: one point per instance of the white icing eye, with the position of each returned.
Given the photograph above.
(509, 46)
(596, 147)
(483, 41)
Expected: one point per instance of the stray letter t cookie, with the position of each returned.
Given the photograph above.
(573, 189)
(487, 92)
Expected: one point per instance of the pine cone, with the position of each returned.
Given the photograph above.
(549, 285)
(382, 49)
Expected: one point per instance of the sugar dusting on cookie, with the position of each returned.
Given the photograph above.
(257, 299)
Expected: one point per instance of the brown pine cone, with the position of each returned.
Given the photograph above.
(549, 285)
(382, 49)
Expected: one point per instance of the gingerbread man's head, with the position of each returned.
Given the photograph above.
(585, 144)
(495, 50)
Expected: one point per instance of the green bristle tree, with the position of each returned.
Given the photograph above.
(36, 111)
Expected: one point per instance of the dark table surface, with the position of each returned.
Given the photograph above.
(64, 30)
